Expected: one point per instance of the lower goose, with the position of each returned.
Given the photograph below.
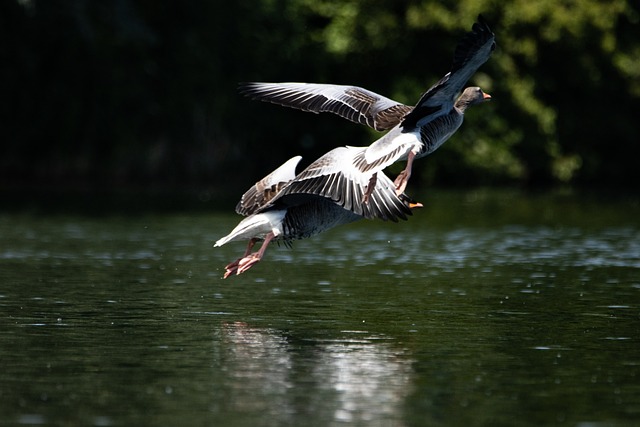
(285, 207)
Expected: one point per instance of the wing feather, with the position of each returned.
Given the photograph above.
(335, 177)
(263, 191)
(350, 102)
(473, 50)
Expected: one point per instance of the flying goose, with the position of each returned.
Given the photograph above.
(415, 131)
(284, 206)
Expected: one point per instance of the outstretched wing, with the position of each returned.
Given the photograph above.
(263, 191)
(472, 51)
(350, 102)
(336, 176)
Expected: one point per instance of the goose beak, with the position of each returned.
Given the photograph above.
(486, 96)
(415, 205)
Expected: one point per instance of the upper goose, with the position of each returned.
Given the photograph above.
(283, 207)
(415, 131)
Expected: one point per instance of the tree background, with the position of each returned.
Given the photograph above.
(129, 95)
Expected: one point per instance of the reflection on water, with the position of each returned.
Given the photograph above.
(358, 379)
(481, 321)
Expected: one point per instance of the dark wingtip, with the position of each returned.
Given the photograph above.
(481, 25)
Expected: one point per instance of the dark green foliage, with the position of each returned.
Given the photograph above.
(122, 93)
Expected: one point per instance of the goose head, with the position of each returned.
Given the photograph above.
(471, 96)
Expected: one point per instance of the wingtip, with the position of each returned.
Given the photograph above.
(244, 88)
(247, 88)
(482, 24)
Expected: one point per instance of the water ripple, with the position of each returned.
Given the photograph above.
(466, 247)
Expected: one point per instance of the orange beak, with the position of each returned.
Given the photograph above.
(415, 205)
(486, 96)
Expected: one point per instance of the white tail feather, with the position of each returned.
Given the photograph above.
(255, 226)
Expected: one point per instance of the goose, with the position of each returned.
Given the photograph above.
(285, 207)
(414, 132)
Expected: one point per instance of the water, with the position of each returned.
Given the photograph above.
(483, 309)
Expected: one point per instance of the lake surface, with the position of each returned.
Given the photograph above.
(486, 308)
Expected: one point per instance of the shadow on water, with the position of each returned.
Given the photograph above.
(483, 309)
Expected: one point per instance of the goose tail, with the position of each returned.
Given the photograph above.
(254, 226)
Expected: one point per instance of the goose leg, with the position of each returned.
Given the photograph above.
(233, 266)
(370, 186)
(248, 260)
(403, 177)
